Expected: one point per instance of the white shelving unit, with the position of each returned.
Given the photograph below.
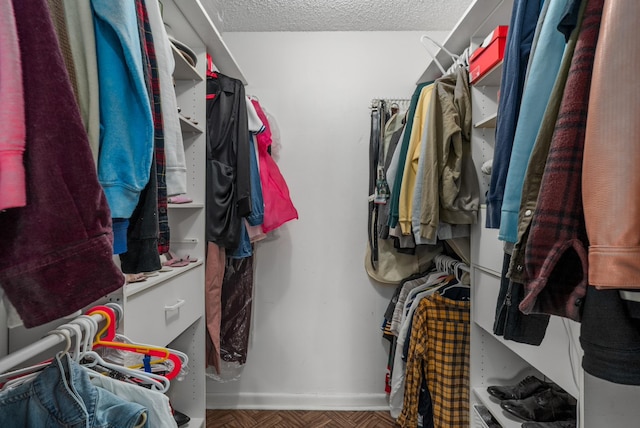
(494, 360)
(168, 309)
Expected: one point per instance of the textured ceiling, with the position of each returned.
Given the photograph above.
(335, 15)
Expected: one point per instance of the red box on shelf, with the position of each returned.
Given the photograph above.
(489, 54)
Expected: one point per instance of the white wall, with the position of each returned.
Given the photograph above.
(316, 340)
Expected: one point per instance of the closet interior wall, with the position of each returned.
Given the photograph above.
(316, 339)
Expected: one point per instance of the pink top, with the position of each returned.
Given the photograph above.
(12, 137)
(278, 208)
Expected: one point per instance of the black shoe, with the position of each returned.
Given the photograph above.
(526, 388)
(546, 406)
(180, 418)
(557, 424)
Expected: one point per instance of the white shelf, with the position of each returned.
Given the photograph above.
(506, 419)
(189, 127)
(184, 70)
(488, 122)
(152, 281)
(493, 77)
(199, 19)
(188, 206)
(482, 17)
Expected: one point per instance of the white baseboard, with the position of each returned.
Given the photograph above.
(260, 401)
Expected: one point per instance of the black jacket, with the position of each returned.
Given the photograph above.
(228, 174)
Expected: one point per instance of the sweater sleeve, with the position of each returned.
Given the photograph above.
(12, 120)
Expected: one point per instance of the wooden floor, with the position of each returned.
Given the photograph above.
(297, 419)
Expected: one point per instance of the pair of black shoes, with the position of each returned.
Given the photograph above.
(535, 400)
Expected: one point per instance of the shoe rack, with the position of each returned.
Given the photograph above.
(495, 361)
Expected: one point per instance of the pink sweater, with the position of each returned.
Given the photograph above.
(12, 137)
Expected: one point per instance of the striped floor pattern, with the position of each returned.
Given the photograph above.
(297, 419)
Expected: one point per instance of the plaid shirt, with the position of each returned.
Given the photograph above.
(556, 253)
(153, 87)
(439, 350)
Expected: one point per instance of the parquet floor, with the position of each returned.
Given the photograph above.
(297, 419)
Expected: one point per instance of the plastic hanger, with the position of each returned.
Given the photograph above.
(90, 326)
(162, 353)
(211, 72)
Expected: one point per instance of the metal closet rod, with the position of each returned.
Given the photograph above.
(21, 355)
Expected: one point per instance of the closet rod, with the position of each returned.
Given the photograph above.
(21, 355)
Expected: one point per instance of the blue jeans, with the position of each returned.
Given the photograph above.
(62, 395)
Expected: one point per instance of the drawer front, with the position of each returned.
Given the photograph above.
(485, 296)
(159, 314)
(486, 249)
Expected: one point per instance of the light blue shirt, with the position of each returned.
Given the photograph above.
(544, 66)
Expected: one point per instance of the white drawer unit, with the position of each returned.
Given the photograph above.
(486, 249)
(165, 310)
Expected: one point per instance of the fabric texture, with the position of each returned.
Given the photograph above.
(509, 321)
(126, 139)
(278, 206)
(13, 192)
(176, 165)
(394, 200)
(611, 178)
(152, 80)
(538, 160)
(61, 242)
(156, 403)
(228, 196)
(59, 19)
(557, 250)
(522, 27)
(82, 41)
(62, 395)
(535, 97)
(450, 189)
(409, 177)
(610, 337)
(214, 274)
(439, 350)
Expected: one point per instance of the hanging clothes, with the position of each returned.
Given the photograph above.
(535, 97)
(278, 207)
(450, 189)
(524, 18)
(64, 389)
(228, 170)
(82, 41)
(126, 141)
(176, 166)
(439, 323)
(556, 257)
(61, 242)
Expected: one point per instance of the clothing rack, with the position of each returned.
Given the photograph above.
(402, 103)
(15, 358)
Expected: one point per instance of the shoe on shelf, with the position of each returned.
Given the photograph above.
(525, 388)
(556, 424)
(547, 406)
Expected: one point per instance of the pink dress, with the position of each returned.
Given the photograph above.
(278, 208)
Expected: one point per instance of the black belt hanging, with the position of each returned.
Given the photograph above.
(376, 148)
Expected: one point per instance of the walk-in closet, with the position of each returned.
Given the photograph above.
(297, 214)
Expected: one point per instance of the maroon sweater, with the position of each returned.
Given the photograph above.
(57, 250)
